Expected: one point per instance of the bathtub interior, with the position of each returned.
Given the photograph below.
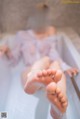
(20, 105)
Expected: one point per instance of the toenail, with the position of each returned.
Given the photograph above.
(52, 77)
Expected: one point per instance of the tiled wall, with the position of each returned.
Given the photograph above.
(14, 14)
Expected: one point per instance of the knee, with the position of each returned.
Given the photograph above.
(56, 64)
(46, 58)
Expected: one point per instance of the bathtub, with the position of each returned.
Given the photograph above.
(19, 105)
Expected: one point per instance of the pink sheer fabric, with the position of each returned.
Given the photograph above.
(30, 49)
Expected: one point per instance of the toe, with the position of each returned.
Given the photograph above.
(49, 71)
(63, 99)
(35, 78)
(65, 104)
(58, 91)
(44, 72)
(58, 76)
(51, 88)
(60, 96)
(53, 71)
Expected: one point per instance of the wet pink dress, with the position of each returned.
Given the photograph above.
(31, 49)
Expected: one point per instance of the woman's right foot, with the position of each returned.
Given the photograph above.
(57, 97)
(42, 78)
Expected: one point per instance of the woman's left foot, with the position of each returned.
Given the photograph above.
(57, 97)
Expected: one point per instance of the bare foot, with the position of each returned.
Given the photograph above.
(57, 97)
(41, 77)
(48, 76)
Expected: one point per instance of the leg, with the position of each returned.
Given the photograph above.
(37, 76)
(56, 92)
(38, 65)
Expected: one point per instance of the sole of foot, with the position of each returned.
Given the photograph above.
(45, 76)
(37, 78)
(57, 97)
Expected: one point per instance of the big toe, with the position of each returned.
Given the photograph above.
(51, 88)
(58, 76)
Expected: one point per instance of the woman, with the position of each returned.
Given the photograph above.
(44, 66)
